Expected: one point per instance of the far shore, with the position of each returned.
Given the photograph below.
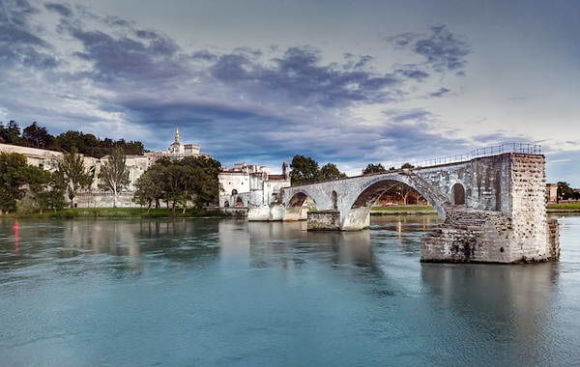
(423, 209)
(197, 213)
(73, 213)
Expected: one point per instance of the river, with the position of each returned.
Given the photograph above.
(211, 292)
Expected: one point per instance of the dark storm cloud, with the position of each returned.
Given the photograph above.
(443, 50)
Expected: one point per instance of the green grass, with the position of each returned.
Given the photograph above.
(402, 208)
(122, 213)
(564, 207)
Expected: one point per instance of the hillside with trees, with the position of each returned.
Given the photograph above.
(36, 136)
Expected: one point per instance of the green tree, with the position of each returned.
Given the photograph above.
(329, 172)
(10, 134)
(203, 183)
(149, 187)
(565, 192)
(374, 168)
(75, 174)
(304, 170)
(177, 188)
(52, 195)
(114, 174)
(14, 174)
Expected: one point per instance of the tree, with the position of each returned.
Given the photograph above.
(14, 174)
(374, 168)
(149, 187)
(203, 185)
(75, 174)
(52, 195)
(11, 133)
(403, 191)
(407, 166)
(565, 192)
(304, 170)
(37, 137)
(114, 174)
(329, 172)
(176, 185)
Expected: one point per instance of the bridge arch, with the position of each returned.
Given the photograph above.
(300, 198)
(458, 196)
(357, 207)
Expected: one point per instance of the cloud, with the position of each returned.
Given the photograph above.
(241, 104)
(299, 76)
(61, 9)
(440, 92)
(442, 50)
(19, 43)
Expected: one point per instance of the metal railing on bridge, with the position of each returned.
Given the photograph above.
(524, 148)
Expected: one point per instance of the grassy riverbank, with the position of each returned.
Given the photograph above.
(402, 209)
(564, 208)
(121, 213)
(419, 209)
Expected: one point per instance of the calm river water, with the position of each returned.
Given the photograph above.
(209, 292)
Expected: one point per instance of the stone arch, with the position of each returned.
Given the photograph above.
(357, 208)
(458, 194)
(300, 199)
(239, 202)
(334, 200)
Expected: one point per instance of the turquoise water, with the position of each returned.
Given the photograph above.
(208, 292)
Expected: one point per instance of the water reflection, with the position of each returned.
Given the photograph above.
(227, 292)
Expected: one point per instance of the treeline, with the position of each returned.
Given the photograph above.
(566, 192)
(36, 136)
(306, 170)
(29, 187)
(178, 183)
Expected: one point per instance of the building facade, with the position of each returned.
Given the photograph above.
(249, 185)
(94, 197)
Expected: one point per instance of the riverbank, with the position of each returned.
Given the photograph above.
(120, 213)
(564, 208)
(403, 209)
(421, 209)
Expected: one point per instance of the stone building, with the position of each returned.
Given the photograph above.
(249, 185)
(94, 196)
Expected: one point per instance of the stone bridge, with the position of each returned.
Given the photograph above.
(493, 208)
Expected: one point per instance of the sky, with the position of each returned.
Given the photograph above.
(348, 82)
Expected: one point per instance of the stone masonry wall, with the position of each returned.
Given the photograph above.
(328, 220)
(470, 235)
(528, 196)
